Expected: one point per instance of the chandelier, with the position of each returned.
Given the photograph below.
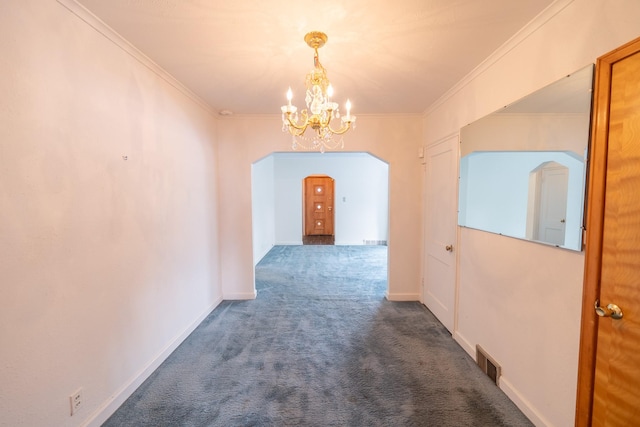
(321, 110)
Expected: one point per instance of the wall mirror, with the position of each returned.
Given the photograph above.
(523, 168)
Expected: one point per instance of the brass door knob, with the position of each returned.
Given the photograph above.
(449, 248)
(611, 310)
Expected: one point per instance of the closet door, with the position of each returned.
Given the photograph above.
(609, 372)
(439, 280)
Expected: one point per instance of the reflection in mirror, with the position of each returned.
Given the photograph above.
(522, 170)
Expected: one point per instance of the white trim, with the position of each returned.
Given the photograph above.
(240, 296)
(101, 27)
(523, 404)
(443, 139)
(505, 385)
(110, 406)
(466, 345)
(534, 25)
(456, 297)
(402, 297)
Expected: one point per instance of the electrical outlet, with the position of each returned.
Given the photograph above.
(76, 401)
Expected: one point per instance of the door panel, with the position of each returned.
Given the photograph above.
(609, 367)
(440, 230)
(318, 206)
(617, 376)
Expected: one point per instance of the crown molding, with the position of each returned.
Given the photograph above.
(101, 27)
(535, 24)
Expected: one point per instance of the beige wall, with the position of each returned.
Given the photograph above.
(244, 140)
(105, 264)
(519, 300)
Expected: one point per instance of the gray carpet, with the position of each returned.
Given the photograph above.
(320, 346)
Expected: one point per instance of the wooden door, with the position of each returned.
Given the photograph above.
(609, 368)
(439, 280)
(318, 205)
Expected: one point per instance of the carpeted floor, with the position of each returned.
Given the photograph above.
(320, 346)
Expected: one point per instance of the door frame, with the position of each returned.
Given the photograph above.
(595, 228)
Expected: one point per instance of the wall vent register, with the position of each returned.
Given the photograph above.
(487, 364)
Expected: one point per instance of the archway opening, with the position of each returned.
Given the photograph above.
(361, 198)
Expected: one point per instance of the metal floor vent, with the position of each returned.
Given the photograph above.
(375, 242)
(487, 364)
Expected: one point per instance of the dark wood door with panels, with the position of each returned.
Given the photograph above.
(318, 214)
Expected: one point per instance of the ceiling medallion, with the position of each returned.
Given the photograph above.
(320, 111)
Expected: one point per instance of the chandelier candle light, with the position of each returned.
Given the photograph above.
(320, 111)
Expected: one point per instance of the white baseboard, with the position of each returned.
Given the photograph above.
(466, 345)
(119, 397)
(240, 296)
(505, 385)
(523, 404)
(350, 243)
(402, 297)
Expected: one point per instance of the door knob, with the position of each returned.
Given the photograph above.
(449, 248)
(611, 310)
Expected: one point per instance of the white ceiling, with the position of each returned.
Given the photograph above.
(386, 56)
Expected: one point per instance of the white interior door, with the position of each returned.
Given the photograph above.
(553, 204)
(439, 288)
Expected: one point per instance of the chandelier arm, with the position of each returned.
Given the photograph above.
(341, 130)
(297, 130)
(296, 126)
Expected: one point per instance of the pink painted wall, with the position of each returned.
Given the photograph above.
(105, 263)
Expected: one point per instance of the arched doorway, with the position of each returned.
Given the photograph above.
(361, 208)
